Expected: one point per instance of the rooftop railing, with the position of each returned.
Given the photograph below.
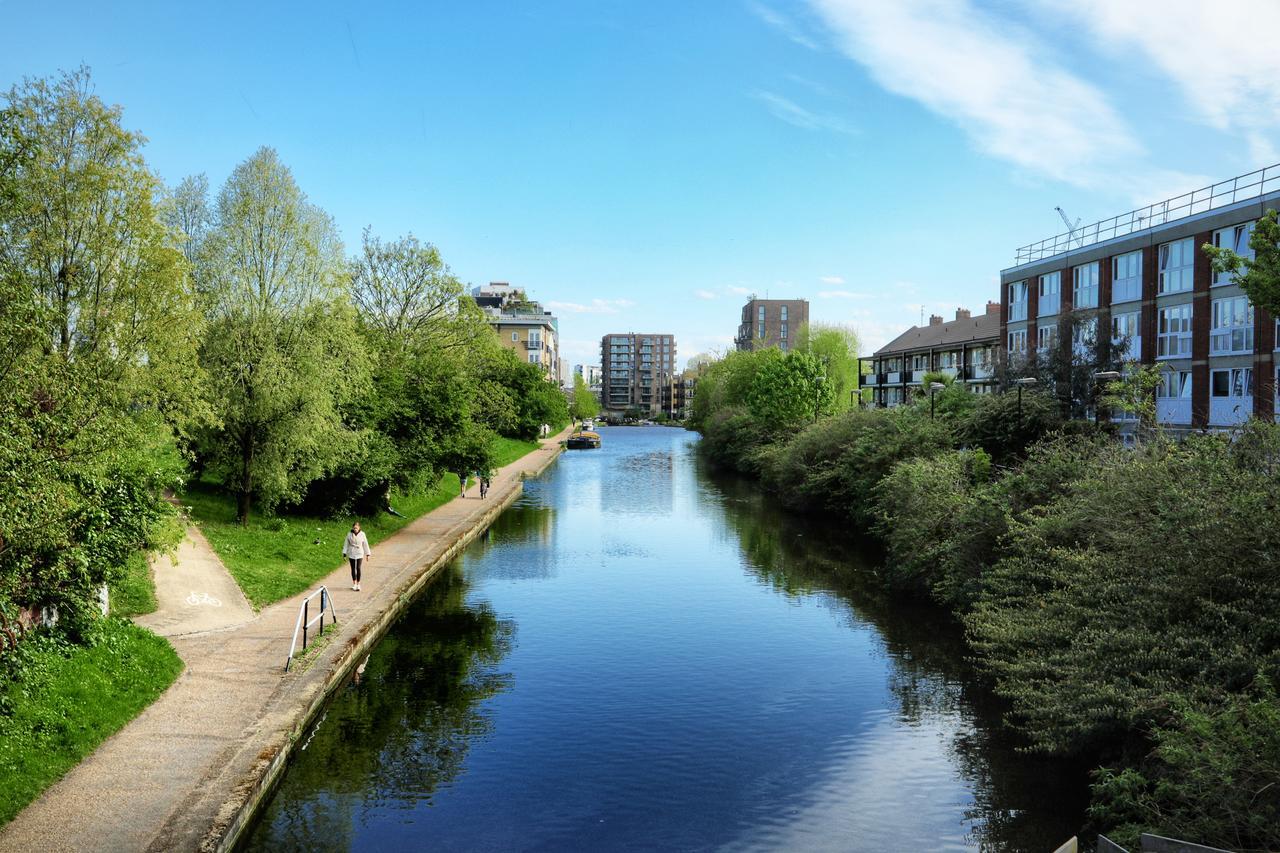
(1241, 188)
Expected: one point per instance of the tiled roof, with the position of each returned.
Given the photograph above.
(984, 328)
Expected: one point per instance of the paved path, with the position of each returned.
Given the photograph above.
(176, 777)
(195, 592)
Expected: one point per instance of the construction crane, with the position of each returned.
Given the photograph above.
(1071, 227)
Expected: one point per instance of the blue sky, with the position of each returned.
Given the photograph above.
(644, 165)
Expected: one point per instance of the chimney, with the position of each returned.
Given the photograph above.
(963, 314)
(935, 320)
(993, 307)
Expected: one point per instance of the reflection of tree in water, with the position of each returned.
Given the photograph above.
(404, 730)
(1021, 802)
(639, 484)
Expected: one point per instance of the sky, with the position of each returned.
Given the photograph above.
(648, 165)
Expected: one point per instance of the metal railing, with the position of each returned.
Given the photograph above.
(1241, 188)
(304, 622)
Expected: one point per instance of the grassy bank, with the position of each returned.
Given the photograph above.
(134, 593)
(274, 558)
(59, 701)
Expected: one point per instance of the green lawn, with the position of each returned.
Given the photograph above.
(65, 700)
(275, 558)
(135, 593)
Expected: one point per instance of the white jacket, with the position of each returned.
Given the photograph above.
(356, 547)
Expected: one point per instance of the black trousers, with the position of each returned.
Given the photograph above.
(355, 568)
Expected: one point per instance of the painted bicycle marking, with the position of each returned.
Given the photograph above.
(195, 599)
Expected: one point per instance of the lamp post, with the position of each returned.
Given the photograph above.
(1024, 382)
(934, 387)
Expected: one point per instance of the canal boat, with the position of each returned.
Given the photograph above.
(583, 440)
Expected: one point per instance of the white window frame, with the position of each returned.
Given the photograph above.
(1176, 265)
(1084, 286)
(1127, 324)
(1080, 334)
(1050, 286)
(1126, 277)
(1046, 337)
(1017, 341)
(1235, 238)
(1173, 331)
(1176, 381)
(1239, 383)
(1231, 328)
(1018, 306)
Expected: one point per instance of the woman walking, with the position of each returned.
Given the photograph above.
(356, 550)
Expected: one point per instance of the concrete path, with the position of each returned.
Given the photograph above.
(179, 776)
(195, 592)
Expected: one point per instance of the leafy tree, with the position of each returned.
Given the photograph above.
(790, 390)
(1258, 276)
(536, 399)
(1134, 394)
(585, 405)
(836, 347)
(282, 346)
(1005, 427)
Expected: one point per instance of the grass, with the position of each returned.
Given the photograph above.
(64, 700)
(135, 592)
(275, 558)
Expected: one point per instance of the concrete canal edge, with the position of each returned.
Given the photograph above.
(330, 670)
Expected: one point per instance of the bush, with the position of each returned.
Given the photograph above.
(995, 425)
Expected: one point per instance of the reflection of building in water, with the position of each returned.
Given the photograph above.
(642, 484)
(524, 522)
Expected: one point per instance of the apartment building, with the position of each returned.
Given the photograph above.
(522, 325)
(590, 374)
(637, 372)
(771, 323)
(965, 348)
(1141, 280)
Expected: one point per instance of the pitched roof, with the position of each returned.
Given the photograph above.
(981, 328)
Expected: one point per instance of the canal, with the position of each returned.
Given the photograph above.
(641, 655)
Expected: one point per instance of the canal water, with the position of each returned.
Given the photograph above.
(640, 655)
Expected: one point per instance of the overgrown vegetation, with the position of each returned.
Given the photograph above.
(1122, 601)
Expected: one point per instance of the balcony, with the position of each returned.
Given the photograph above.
(950, 372)
(1229, 411)
(977, 372)
(533, 345)
(893, 378)
(917, 376)
(1173, 410)
(870, 380)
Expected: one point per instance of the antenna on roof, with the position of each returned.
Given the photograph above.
(1071, 227)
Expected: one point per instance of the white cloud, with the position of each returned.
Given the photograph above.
(739, 291)
(1221, 55)
(831, 279)
(597, 306)
(782, 24)
(704, 294)
(840, 294)
(995, 80)
(793, 114)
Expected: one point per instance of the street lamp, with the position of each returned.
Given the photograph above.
(934, 386)
(1024, 382)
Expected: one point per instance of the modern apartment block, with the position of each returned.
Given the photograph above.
(771, 323)
(965, 348)
(637, 372)
(1142, 280)
(590, 374)
(522, 325)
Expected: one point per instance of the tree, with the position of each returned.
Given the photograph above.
(1135, 394)
(790, 390)
(1259, 276)
(282, 346)
(585, 405)
(837, 348)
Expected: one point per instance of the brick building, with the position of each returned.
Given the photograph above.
(965, 349)
(637, 372)
(771, 323)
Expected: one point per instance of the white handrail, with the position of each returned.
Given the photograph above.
(303, 623)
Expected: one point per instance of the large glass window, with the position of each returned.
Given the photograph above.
(1176, 268)
(920, 361)
(1124, 333)
(1084, 337)
(1232, 330)
(783, 312)
(1050, 287)
(1018, 342)
(1231, 382)
(783, 333)
(1175, 385)
(1046, 337)
(1017, 301)
(1173, 333)
(1126, 277)
(1235, 238)
(1085, 286)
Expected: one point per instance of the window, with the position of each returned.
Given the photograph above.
(948, 359)
(1232, 330)
(1175, 385)
(1017, 301)
(1084, 336)
(920, 361)
(784, 313)
(1018, 342)
(783, 345)
(1235, 238)
(1046, 337)
(1232, 382)
(515, 336)
(760, 321)
(1085, 286)
(534, 358)
(1050, 286)
(1173, 332)
(1176, 272)
(1126, 277)
(1124, 333)
(783, 333)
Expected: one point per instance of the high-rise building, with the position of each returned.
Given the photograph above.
(1142, 281)
(771, 323)
(636, 372)
(590, 374)
(522, 325)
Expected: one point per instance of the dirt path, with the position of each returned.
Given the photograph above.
(195, 591)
